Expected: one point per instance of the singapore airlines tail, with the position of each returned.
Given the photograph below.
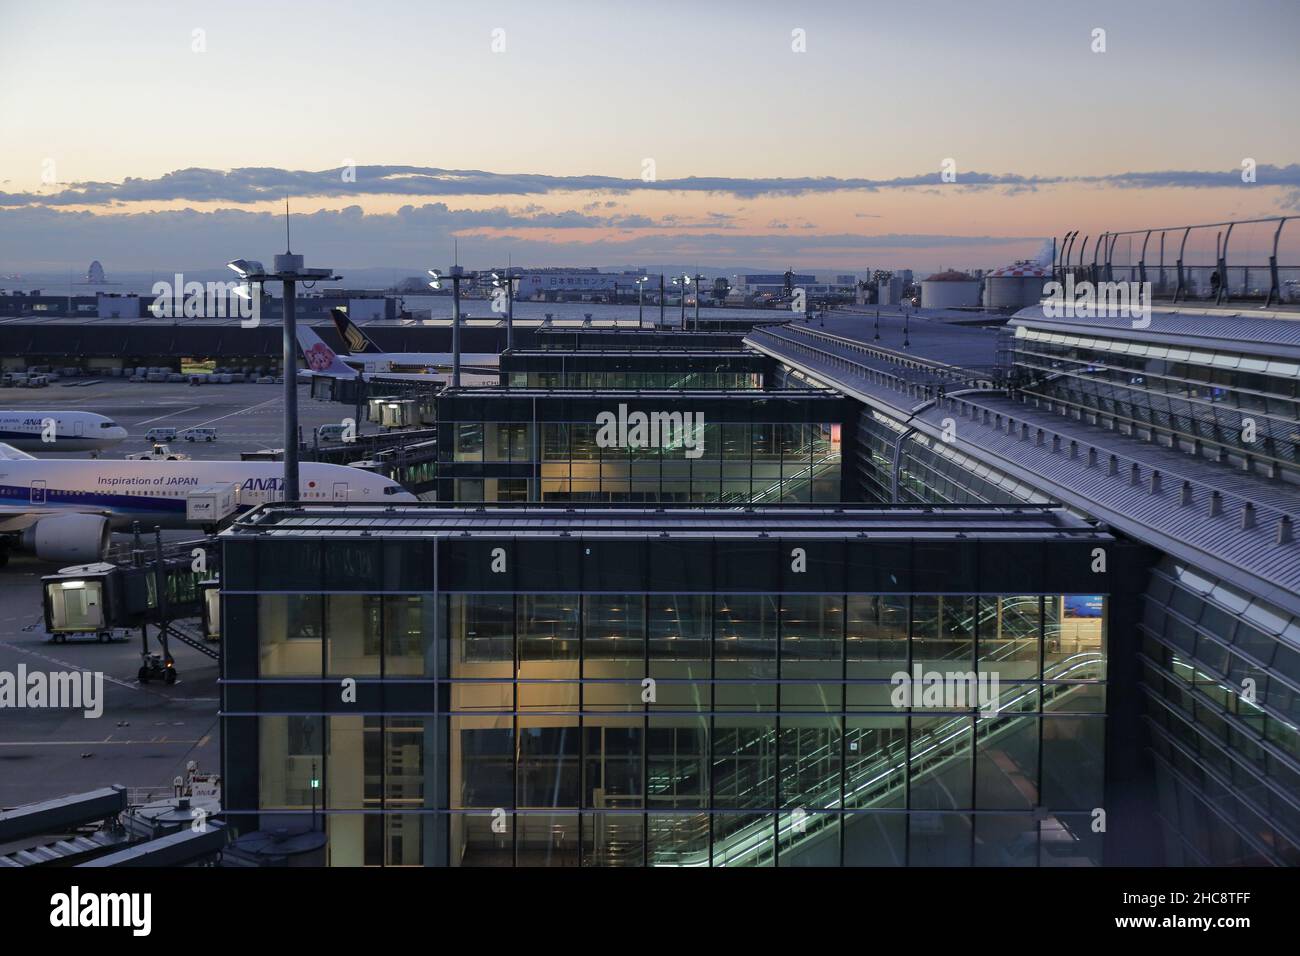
(356, 341)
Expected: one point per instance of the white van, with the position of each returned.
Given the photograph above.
(199, 434)
(166, 433)
(331, 432)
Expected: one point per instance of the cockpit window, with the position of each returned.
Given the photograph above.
(392, 489)
(108, 424)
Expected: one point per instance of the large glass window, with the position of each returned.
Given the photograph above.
(612, 755)
(289, 631)
(744, 762)
(291, 752)
(1006, 763)
(549, 652)
(549, 756)
(409, 647)
(1009, 636)
(676, 839)
(770, 737)
(482, 635)
(677, 762)
(482, 761)
(680, 635)
(353, 634)
(745, 651)
(354, 763)
(943, 630)
(1074, 647)
(811, 762)
(469, 441)
(548, 635)
(613, 642)
(939, 762)
(875, 647)
(812, 650)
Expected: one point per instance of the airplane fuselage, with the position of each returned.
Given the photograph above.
(155, 492)
(52, 430)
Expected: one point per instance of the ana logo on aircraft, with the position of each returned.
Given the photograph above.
(263, 484)
(319, 357)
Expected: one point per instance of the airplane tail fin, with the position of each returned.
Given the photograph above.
(354, 339)
(320, 357)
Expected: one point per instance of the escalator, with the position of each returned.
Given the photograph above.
(877, 781)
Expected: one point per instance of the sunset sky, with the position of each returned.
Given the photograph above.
(165, 135)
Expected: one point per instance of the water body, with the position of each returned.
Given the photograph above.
(438, 306)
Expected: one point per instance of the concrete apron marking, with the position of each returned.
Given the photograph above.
(239, 412)
(91, 743)
(70, 666)
(182, 411)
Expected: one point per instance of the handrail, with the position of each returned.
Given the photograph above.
(1196, 490)
(882, 777)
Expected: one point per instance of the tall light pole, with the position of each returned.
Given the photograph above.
(683, 281)
(640, 300)
(289, 271)
(698, 279)
(456, 273)
(661, 300)
(509, 276)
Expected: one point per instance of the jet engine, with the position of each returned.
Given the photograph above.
(71, 539)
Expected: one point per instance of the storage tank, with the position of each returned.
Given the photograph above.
(1016, 286)
(950, 290)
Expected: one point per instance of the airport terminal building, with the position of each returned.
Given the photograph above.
(1175, 438)
(687, 687)
(1179, 433)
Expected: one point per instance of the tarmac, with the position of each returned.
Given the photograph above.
(147, 732)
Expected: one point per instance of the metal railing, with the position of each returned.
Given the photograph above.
(1160, 255)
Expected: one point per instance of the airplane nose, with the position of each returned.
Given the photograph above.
(118, 433)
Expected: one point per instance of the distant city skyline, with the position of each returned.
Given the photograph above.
(675, 134)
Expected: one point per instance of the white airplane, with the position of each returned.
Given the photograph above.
(323, 360)
(363, 353)
(64, 509)
(58, 430)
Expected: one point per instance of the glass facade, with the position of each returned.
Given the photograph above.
(743, 724)
(1217, 402)
(929, 472)
(635, 379)
(1222, 694)
(1215, 680)
(786, 447)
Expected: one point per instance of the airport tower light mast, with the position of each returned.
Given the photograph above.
(506, 278)
(456, 274)
(289, 271)
(640, 300)
(698, 280)
(683, 281)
